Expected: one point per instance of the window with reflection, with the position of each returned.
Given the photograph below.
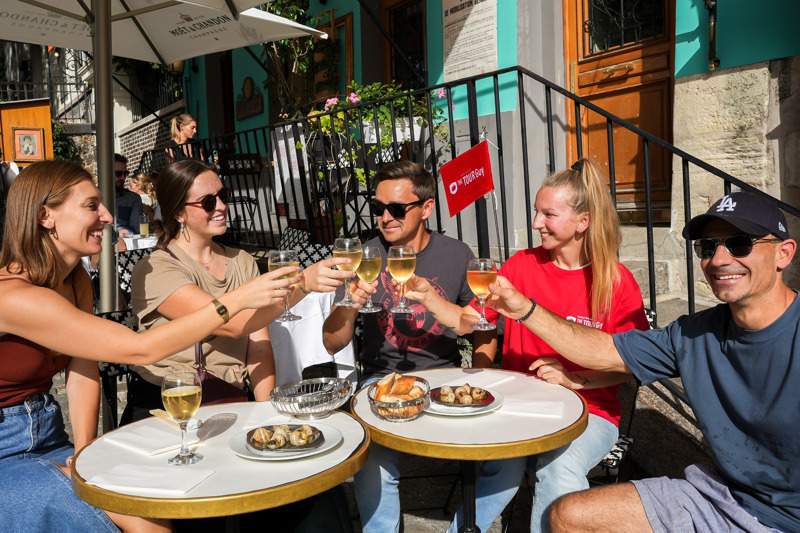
(406, 25)
(616, 23)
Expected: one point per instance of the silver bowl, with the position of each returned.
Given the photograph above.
(311, 399)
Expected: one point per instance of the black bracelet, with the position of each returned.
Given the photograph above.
(524, 317)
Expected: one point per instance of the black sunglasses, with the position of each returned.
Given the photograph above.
(398, 211)
(737, 246)
(120, 173)
(209, 201)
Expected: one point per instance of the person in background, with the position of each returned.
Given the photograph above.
(403, 202)
(182, 130)
(128, 204)
(55, 217)
(739, 363)
(575, 272)
(142, 185)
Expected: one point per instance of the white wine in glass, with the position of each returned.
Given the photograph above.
(349, 248)
(368, 270)
(278, 259)
(480, 274)
(181, 393)
(401, 264)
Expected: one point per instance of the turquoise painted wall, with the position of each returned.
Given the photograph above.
(343, 7)
(506, 57)
(194, 93)
(747, 32)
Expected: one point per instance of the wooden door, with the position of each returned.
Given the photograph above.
(404, 21)
(620, 56)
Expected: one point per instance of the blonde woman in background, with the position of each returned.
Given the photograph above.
(182, 131)
(577, 274)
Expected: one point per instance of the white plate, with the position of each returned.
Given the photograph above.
(238, 443)
(443, 410)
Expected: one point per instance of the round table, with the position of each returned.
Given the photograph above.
(237, 485)
(535, 417)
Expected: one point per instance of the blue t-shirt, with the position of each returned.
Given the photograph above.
(744, 388)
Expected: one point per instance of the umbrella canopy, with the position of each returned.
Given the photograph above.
(157, 31)
(160, 31)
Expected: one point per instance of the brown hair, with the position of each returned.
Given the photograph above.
(172, 186)
(603, 238)
(27, 246)
(177, 122)
(424, 182)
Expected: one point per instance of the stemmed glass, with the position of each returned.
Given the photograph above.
(276, 260)
(480, 274)
(349, 248)
(181, 392)
(368, 270)
(401, 263)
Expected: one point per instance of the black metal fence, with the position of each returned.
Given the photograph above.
(314, 173)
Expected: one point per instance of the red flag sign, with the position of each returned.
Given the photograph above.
(467, 177)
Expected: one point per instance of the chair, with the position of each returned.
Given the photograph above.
(111, 373)
(300, 240)
(126, 261)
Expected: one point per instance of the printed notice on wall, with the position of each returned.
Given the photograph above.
(470, 38)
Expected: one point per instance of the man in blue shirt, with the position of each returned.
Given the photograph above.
(128, 204)
(740, 366)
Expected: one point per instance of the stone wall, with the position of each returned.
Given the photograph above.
(744, 121)
(146, 134)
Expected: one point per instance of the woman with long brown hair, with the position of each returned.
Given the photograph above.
(189, 269)
(575, 272)
(54, 217)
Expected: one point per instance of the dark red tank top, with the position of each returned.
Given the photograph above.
(26, 368)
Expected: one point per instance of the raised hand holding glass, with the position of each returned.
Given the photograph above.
(348, 248)
(480, 274)
(401, 264)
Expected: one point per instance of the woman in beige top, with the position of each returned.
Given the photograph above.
(188, 270)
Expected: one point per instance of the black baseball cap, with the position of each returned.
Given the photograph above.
(753, 214)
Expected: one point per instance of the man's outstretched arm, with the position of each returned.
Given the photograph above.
(588, 347)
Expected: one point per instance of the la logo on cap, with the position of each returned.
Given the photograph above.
(726, 204)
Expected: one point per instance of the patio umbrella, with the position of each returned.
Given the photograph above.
(160, 31)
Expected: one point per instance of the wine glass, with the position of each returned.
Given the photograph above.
(368, 270)
(401, 263)
(276, 260)
(181, 393)
(349, 248)
(480, 274)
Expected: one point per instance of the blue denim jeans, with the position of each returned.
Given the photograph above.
(377, 488)
(36, 495)
(555, 473)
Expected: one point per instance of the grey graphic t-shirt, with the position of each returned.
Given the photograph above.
(416, 341)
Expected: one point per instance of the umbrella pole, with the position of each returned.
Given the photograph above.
(104, 135)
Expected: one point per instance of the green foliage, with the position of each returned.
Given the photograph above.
(64, 146)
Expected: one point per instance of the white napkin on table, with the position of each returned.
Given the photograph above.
(151, 438)
(172, 481)
(534, 409)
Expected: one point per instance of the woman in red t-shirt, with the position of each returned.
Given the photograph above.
(575, 273)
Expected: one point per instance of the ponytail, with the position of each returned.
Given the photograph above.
(602, 241)
(177, 122)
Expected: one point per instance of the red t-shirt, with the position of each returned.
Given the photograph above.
(566, 293)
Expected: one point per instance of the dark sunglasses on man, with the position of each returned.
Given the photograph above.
(737, 245)
(396, 210)
(121, 173)
(209, 201)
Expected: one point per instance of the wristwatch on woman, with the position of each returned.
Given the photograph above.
(222, 311)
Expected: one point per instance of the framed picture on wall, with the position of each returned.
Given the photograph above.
(28, 144)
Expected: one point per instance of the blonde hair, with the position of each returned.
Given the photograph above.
(602, 241)
(28, 247)
(177, 122)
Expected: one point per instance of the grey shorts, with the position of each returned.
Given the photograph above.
(701, 502)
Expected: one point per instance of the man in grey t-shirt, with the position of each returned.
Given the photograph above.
(740, 364)
(403, 202)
